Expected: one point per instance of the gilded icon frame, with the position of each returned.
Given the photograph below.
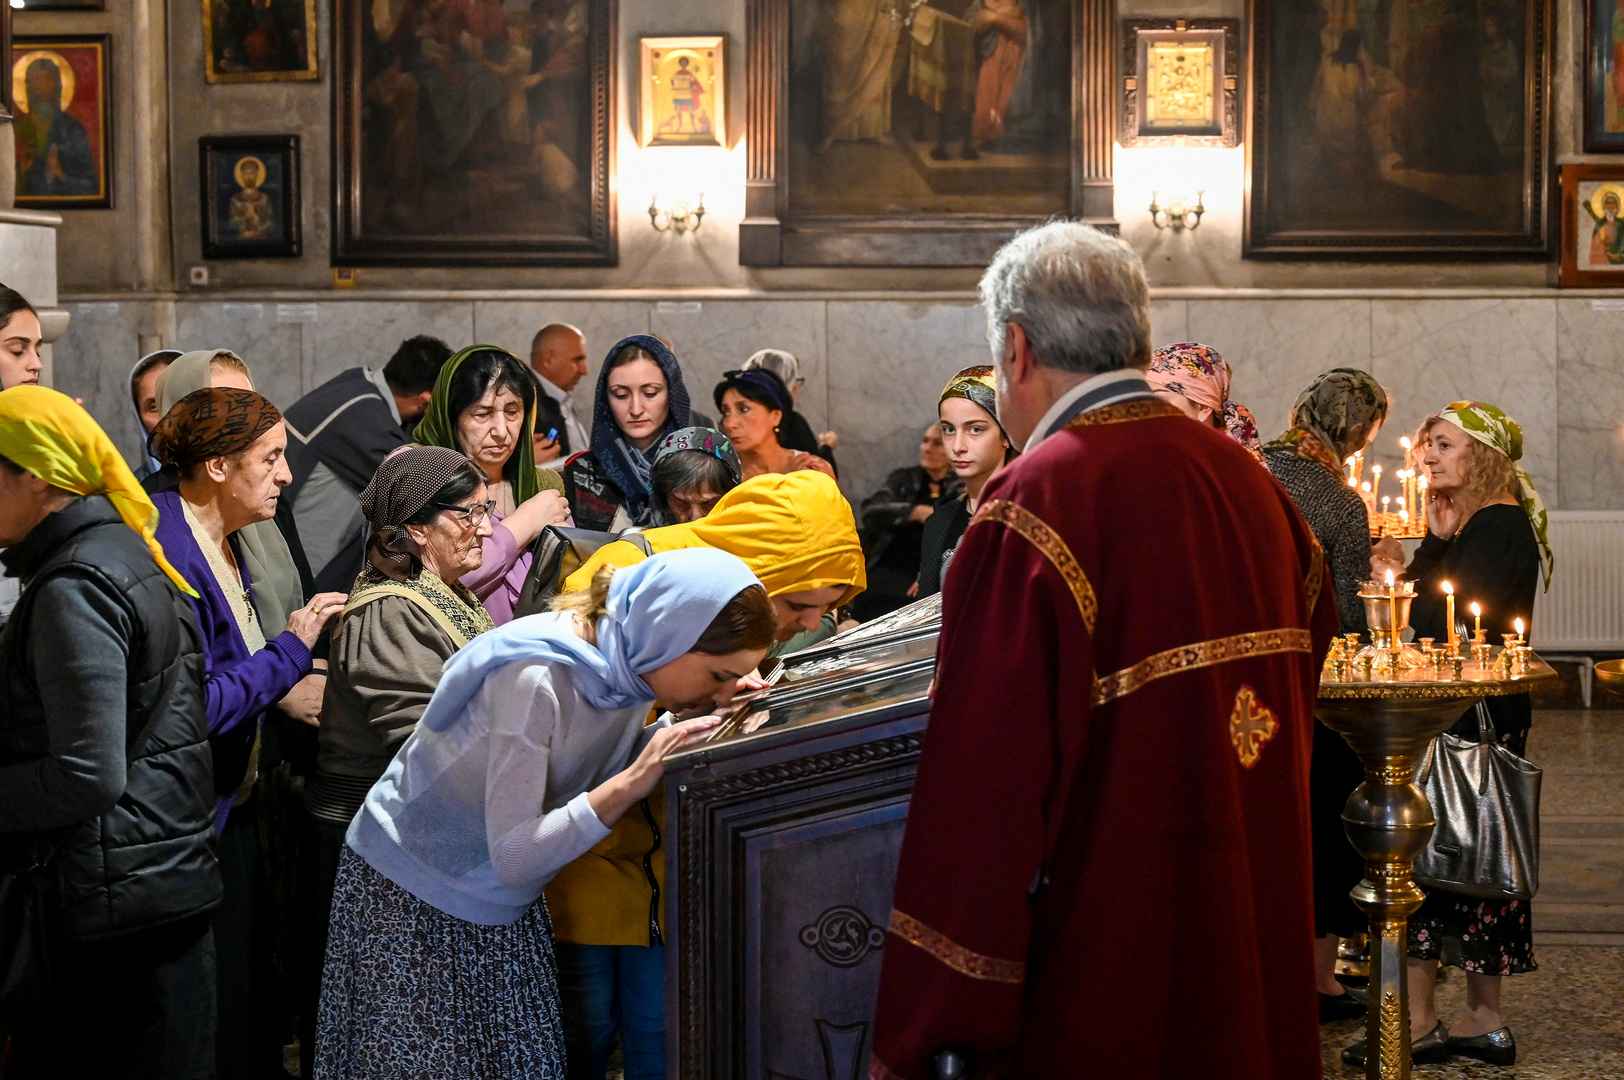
(653, 53)
(212, 72)
(1222, 37)
(101, 45)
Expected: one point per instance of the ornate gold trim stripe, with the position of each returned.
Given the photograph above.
(956, 956)
(1037, 532)
(1120, 684)
(1316, 575)
(1124, 412)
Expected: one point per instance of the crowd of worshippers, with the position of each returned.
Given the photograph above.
(285, 757)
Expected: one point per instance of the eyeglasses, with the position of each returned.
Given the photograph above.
(473, 516)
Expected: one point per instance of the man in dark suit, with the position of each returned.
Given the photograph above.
(558, 357)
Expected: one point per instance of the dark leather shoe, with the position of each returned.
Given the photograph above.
(1345, 1006)
(1429, 1049)
(1496, 1048)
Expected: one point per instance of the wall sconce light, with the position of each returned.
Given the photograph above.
(681, 215)
(1178, 213)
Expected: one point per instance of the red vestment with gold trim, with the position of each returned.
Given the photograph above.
(1106, 871)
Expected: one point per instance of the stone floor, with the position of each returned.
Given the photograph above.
(1568, 1016)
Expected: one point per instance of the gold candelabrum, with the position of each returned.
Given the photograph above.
(1388, 701)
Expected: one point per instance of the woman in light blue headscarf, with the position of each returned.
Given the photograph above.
(440, 952)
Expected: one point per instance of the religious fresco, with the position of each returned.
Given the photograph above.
(259, 40)
(1399, 125)
(682, 92)
(60, 121)
(250, 196)
(474, 130)
(899, 107)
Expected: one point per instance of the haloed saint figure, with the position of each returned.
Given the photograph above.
(54, 156)
(1607, 232)
(253, 214)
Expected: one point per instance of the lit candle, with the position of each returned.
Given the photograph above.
(1518, 623)
(1385, 500)
(1376, 478)
(1353, 483)
(1449, 612)
(1392, 610)
(1477, 614)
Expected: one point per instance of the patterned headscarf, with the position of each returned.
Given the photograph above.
(1493, 428)
(210, 423)
(51, 435)
(439, 428)
(1336, 411)
(977, 386)
(403, 485)
(626, 465)
(706, 440)
(1198, 373)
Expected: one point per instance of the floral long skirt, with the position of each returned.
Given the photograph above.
(409, 991)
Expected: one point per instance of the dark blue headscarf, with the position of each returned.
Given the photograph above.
(627, 466)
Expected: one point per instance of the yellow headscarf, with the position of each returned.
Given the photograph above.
(794, 530)
(51, 436)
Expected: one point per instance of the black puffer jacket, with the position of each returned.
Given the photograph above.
(104, 751)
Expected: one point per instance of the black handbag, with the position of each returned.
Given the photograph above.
(1486, 801)
(555, 555)
(24, 964)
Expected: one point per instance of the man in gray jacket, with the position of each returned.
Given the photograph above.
(106, 783)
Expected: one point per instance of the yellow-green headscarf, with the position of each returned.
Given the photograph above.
(51, 436)
(439, 428)
(795, 532)
(1493, 428)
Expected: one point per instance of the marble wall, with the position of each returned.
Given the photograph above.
(874, 365)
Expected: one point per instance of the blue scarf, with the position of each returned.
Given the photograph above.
(657, 611)
(627, 466)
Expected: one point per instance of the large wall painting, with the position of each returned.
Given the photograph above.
(474, 132)
(61, 122)
(1399, 127)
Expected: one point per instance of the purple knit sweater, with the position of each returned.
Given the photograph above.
(239, 687)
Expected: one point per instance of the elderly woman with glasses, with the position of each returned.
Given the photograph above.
(428, 516)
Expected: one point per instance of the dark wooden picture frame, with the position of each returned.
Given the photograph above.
(98, 112)
(772, 235)
(1602, 66)
(1224, 36)
(1375, 201)
(264, 213)
(1587, 239)
(364, 234)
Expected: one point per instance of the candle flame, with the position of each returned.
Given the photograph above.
(1422, 480)
(1477, 612)
(1404, 441)
(1365, 486)
(1403, 515)
(1353, 482)
(1376, 469)
(1518, 623)
(1449, 590)
(1389, 579)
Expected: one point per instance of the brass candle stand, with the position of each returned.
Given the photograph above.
(1388, 712)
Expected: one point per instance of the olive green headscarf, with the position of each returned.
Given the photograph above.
(278, 591)
(439, 428)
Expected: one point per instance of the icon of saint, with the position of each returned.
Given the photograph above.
(253, 217)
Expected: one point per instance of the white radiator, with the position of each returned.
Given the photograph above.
(1584, 611)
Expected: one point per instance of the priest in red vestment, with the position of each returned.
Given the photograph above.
(1106, 870)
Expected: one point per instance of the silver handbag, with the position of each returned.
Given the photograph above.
(1486, 800)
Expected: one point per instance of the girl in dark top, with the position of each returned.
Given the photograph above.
(1336, 416)
(977, 448)
(1486, 536)
(641, 399)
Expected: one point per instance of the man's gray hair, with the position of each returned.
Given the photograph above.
(1078, 293)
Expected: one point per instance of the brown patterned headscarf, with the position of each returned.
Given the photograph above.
(406, 482)
(210, 423)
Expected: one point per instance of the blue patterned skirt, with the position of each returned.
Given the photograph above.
(409, 991)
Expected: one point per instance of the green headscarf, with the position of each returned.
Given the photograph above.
(439, 428)
(1493, 428)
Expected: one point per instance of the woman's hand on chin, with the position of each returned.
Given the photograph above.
(1443, 516)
